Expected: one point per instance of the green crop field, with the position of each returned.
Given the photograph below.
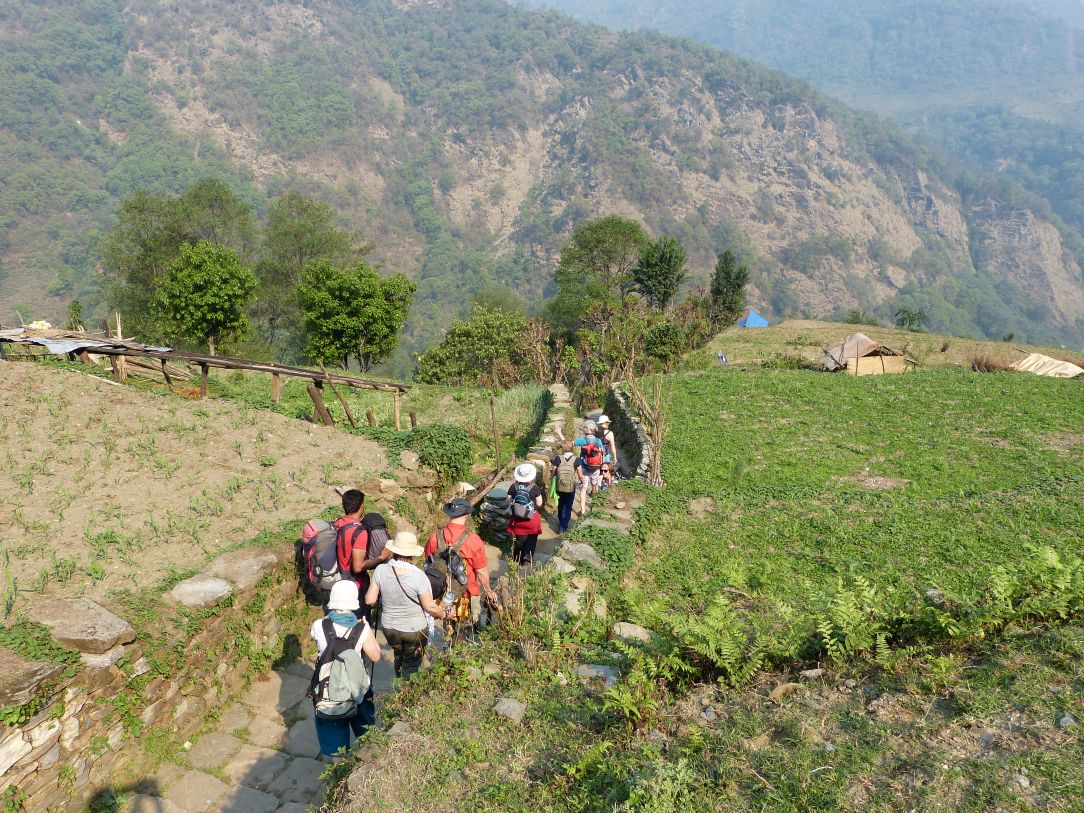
(918, 481)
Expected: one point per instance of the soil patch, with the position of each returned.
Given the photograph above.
(701, 507)
(1065, 441)
(119, 486)
(876, 483)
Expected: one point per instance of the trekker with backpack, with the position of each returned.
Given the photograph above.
(567, 475)
(592, 456)
(370, 550)
(609, 442)
(341, 681)
(406, 598)
(469, 554)
(525, 495)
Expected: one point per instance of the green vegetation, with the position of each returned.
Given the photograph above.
(204, 295)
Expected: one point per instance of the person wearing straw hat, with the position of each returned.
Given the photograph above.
(405, 597)
(609, 441)
(525, 495)
(342, 607)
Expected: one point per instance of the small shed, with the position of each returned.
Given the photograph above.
(858, 354)
(752, 319)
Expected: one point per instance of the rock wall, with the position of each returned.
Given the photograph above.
(88, 728)
(636, 447)
(553, 427)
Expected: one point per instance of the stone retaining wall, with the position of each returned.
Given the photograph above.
(90, 725)
(636, 447)
(555, 424)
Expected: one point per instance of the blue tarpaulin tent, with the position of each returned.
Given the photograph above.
(752, 319)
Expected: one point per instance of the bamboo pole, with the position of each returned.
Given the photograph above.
(318, 403)
(339, 395)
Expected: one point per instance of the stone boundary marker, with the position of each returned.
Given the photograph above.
(76, 728)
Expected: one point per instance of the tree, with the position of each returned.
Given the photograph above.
(594, 269)
(148, 236)
(660, 271)
(299, 231)
(728, 290)
(204, 295)
(910, 319)
(352, 312)
(484, 348)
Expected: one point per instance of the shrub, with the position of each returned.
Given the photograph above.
(445, 449)
(987, 363)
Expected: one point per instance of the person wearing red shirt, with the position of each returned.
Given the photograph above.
(525, 531)
(472, 551)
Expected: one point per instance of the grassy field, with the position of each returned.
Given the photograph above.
(807, 338)
(914, 540)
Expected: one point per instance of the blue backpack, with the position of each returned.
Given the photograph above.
(522, 505)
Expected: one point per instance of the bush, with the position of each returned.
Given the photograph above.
(987, 363)
(445, 449)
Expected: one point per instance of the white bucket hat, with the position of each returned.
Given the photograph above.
(603, 420)
(405, 544)
(344, 596)
(526, 473)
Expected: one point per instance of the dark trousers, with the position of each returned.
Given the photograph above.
(523, 548)
(564, 509)
(408, 649)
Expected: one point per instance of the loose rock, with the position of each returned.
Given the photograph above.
(1065, 720)
(82, 624)
(243, 567)
(400, 729)
(632, 633)
(20, 678)
(510, 709)
(811, 674)
(200, 591)
(409, 460)
(560, 565)
(1022, 781)
(582, 552)
(594, 671)
(491, 670)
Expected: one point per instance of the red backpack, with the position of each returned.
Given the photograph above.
(593, 454)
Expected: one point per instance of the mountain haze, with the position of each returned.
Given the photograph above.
(467, 138)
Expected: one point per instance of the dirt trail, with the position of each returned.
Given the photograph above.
(115, 485)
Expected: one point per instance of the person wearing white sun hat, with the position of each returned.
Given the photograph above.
(609, 441)
(405, 597)
(341, 620)
(525, 496)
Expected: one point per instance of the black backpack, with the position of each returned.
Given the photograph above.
(377, 528)
(446, 564)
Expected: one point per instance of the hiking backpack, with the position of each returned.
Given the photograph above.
(377, 529)
(566, 474)
(593, 453)
(446, 564)
(321, 554)
(523, 507)
(340, 680)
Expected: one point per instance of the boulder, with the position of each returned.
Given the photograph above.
(561, 565)
(243, 567)
(104, 660)
(20, 678)
(200, 591)
(82, 624)
(632, 633)
(399, 729)
(409, 460)
(390, 488)
(582, 552)
(593, 671)
(510, 709)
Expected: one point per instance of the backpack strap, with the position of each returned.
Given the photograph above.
(340, 536)
(458, 544)
(395, 573)
(328, 626)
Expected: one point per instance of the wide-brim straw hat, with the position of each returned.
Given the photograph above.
(603, 420)
(526, 473)
(344, 596)
(405, 544)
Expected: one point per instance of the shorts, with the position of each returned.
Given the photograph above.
(594, 478)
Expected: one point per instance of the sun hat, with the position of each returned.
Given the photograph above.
(405, 544)
(457, 508)
(603, 420)
(344, 596)
(526, 473)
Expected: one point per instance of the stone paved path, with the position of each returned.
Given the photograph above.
(261, 757)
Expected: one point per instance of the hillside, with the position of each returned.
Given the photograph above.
(996, 84)
(466, 139)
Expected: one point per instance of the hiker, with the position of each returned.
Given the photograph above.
(405, 597)
(608, 475)
(609, 442)
(455, 534)
(360, 542)
(566, 472)
(525, 496)
(347, 631)
(592, 456)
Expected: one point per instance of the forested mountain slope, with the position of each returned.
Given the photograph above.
(466, 138)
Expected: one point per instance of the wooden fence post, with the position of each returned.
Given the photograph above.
(371, 418)
(496, 435)
(203, 369)
(398, 424)
(318, 403)
(276, 387)
(413, 419)
(165, 375)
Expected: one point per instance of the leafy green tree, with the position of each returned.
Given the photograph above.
(660, 271)
(299, 231)
(728, 290)
(204, 295)
(352, 312)
(909, 319)
(483, 348)
(148, 235)
(665, 342)
(594, 270)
